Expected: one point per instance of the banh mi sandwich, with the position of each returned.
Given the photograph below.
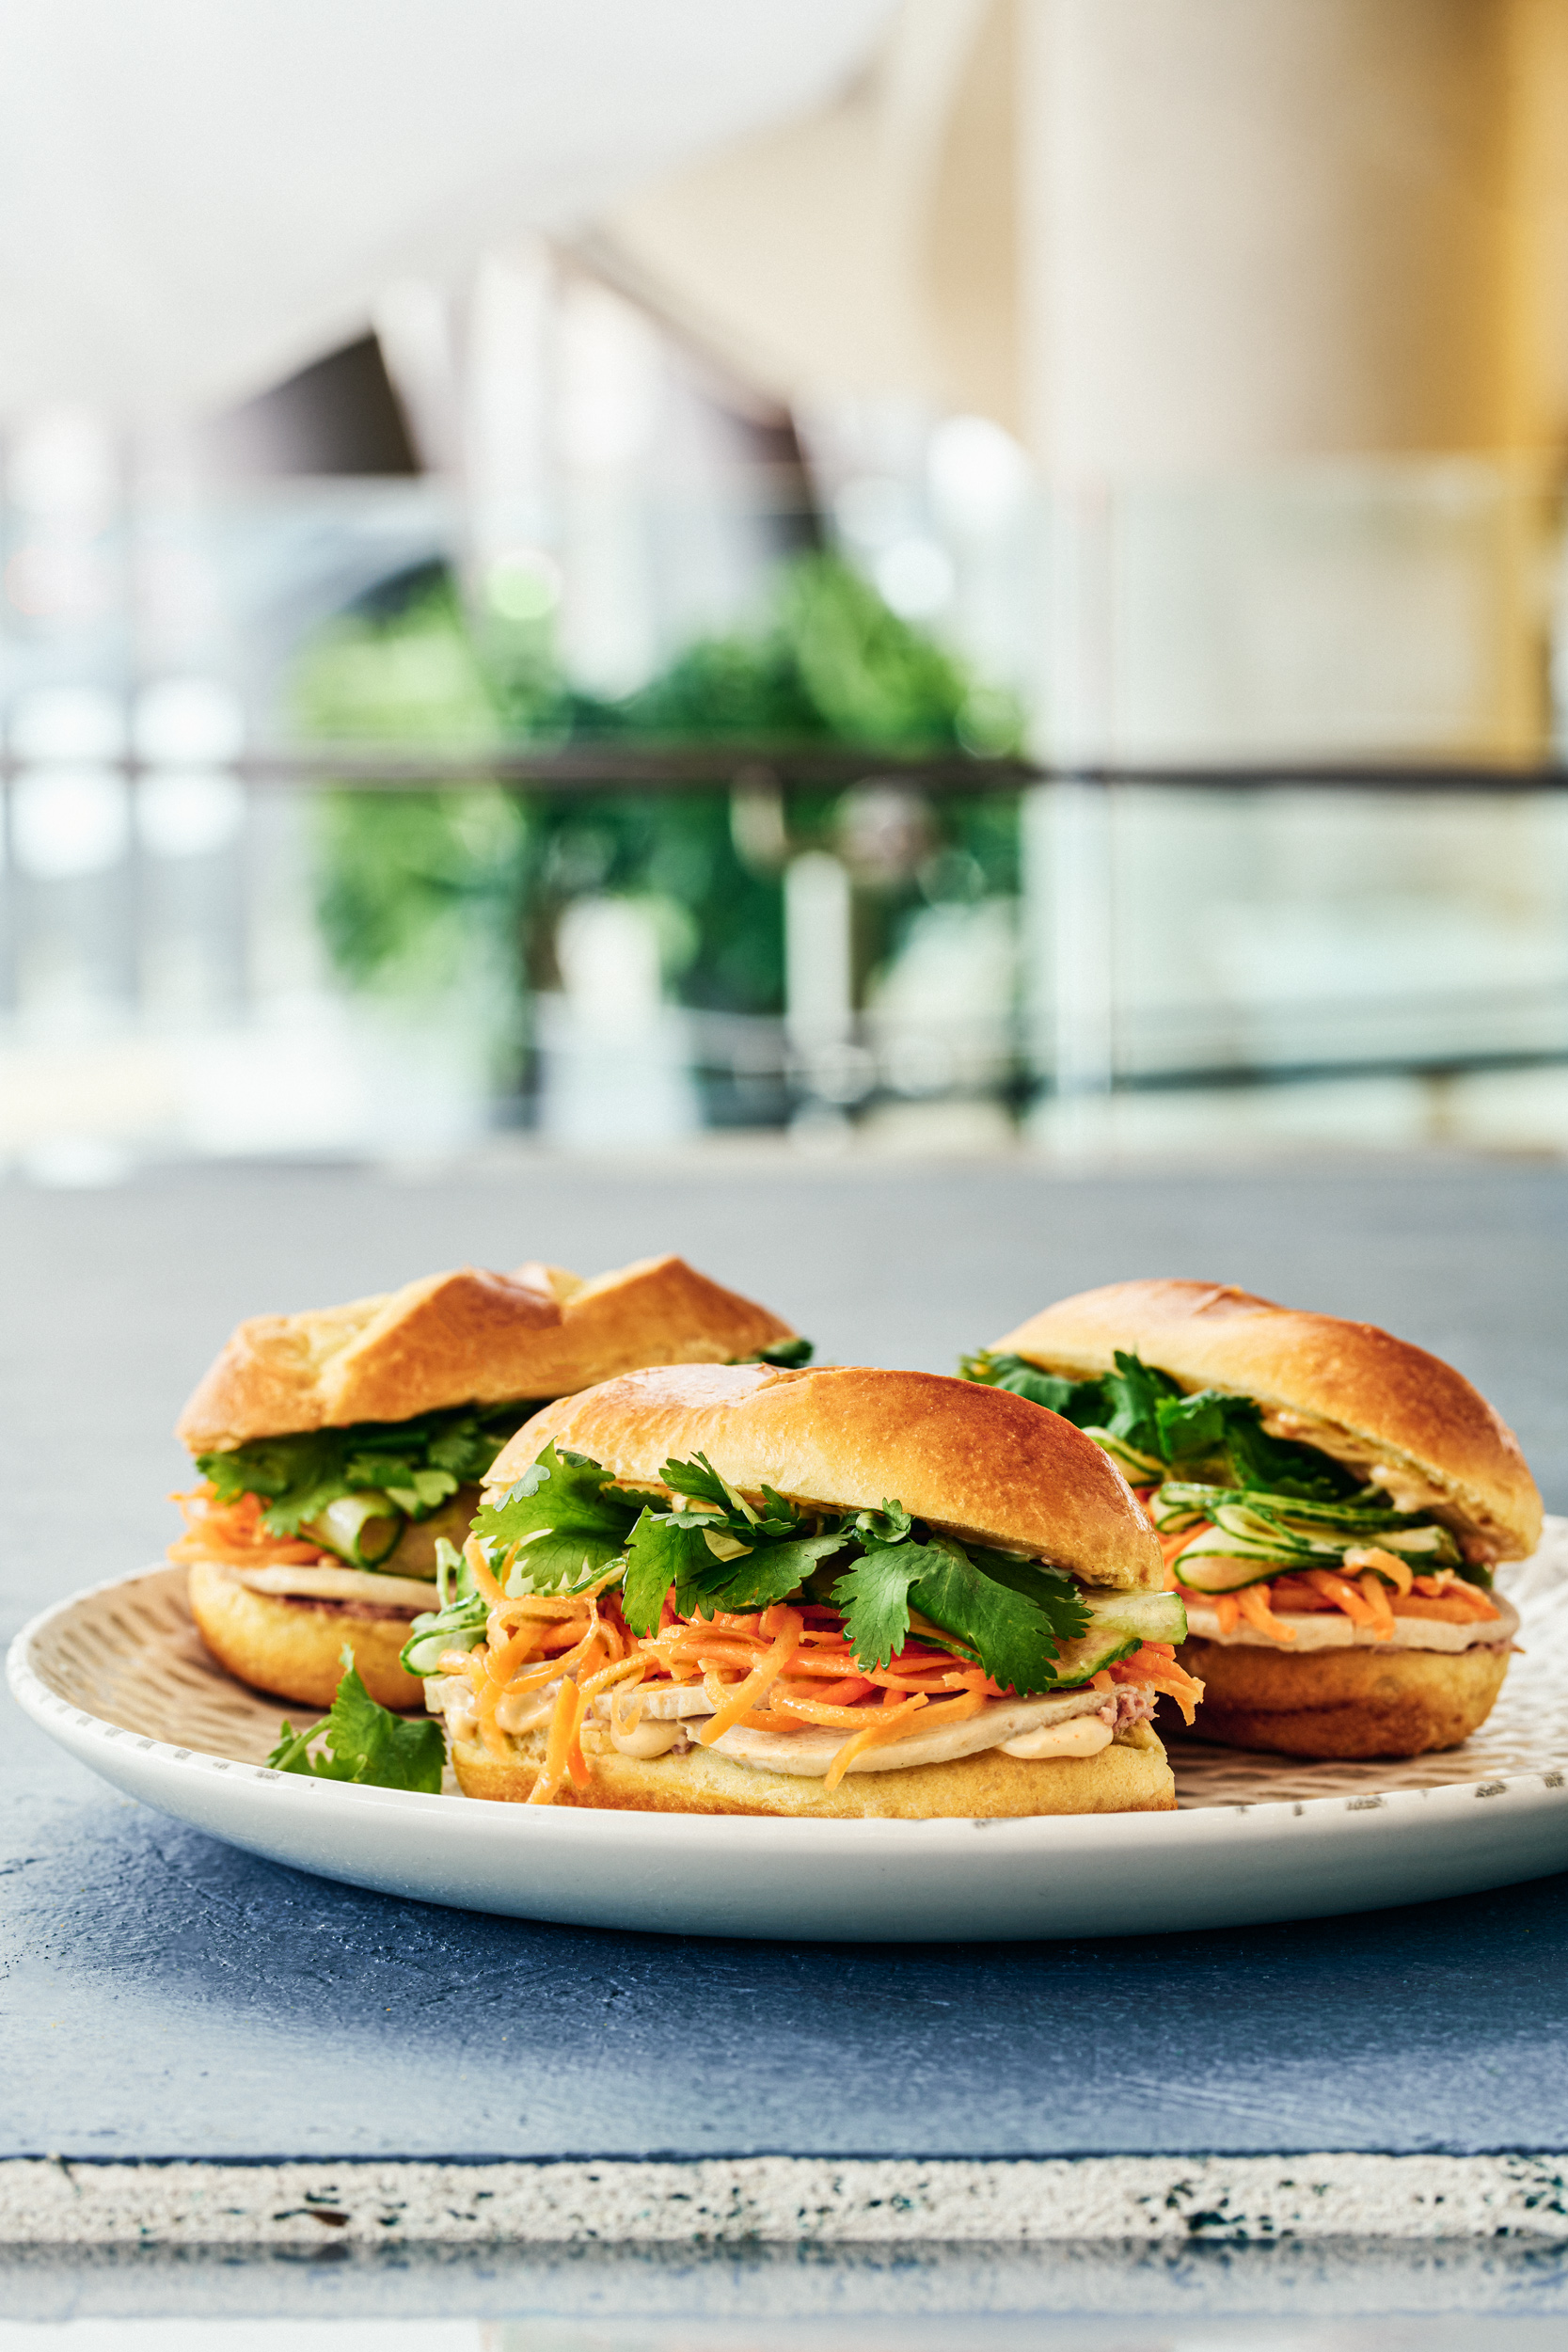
(1330, 1499)
(336, 1448)
(841, 1593)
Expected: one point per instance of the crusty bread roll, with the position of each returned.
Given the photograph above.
(972, 1461)
(1132, 1775)
(1353, 1389)
(464, 1338)
(293, 1647)
(1330, 1703)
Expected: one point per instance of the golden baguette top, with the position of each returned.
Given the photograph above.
(1351, 1387)
(972, 1461)
(466, 1338)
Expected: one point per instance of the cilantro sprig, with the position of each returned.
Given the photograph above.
(1156, 1428)
(360, 1740)
(557, 1526)
(1010, 1615)
(720, 1552)
(787, 1355)
(417, 1463)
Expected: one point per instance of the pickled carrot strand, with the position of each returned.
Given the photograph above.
(1255, 1605)
(478, 1567)
(560, 1741)
(1387, 1563)
(787, 1642)
(1377, 1601)
(1344, 1594)
(884, 1724)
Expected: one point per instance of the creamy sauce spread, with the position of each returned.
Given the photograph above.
(1085, 1736)
(1067, 1722)
(408, 1594)
(1329, 1629)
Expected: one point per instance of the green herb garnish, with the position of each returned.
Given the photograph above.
(363, 1741)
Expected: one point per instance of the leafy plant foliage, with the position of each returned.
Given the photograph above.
(419, 1463)
(363, 1742)
(1150, 1416)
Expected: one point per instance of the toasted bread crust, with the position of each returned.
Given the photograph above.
(1343, 1702)
(1132, 1775)
(464, 1338)
(973, 1461)
(1406, 1407)
(294, 1648)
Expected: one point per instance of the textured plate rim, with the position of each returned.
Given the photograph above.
(1194, 1823)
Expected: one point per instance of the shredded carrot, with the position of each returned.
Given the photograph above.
(499, 1665)
(1253, 1602)
(1448, 1584)
(1376, 1599)
(1456, 1604)
(786, 1626)
(1387, 1563)
(816, 1711)
(560, 1742)
(1171, 1545)
(884, 1724)
(478, 1567)
(1294, 1594)
(1343, 1595)
(234, 1534)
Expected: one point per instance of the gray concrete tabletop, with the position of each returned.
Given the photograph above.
(171, 1998)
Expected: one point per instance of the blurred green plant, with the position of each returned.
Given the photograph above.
(419, 889)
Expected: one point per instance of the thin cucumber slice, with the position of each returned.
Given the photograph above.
(1139, 1469)
(1226, 1572)
(1119, 1623)
(1250, 1538)
(361, 1528)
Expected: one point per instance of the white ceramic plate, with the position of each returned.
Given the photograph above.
(117, 1676)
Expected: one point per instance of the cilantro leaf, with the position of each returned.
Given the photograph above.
(874, 1596)
(1146, 1410)
(889, 1525)
(297, 1476)
(564, 1517)
(673, 1548)
(1050, 1589)
(1215, 1425)
(771, 1572)
(661, 1553)
(1134, 1391)
(364, 1742)
(422, 1491)
(1280, 1465)
(1010, 1613)
(699, 1482)
(788, 1355)
(1190, 1425)
(1082, 1401)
